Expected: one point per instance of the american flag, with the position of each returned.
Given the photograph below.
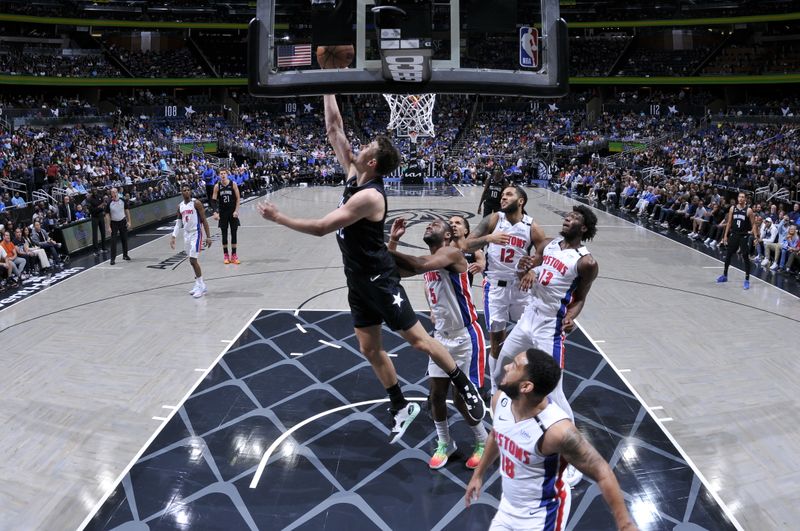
(294, 55)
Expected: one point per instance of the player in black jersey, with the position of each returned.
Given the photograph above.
(226, 196)
(740, 226)
(492, 193)
(476, 259)
(373, 281)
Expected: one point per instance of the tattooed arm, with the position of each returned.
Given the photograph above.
(484, 233)
(563, 438)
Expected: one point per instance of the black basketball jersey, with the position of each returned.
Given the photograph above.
(363, 249)
(470, 256)
(740, 223)
(226, 198)
(493, 193)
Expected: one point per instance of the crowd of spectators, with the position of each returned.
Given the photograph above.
(649, 62)
(55, 63)
(594, 56)
(178, 62)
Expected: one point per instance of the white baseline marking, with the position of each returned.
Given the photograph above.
(160, 428)
(656, 408)
(665, 419)
(300, 327)
(599, 341)
(334, 345)
(200, 370)
(624, 370)
(392, 355)
(162, 419)
(226, 340)
(169, 407)
(713, 267)
(683, 453)
(295, 353)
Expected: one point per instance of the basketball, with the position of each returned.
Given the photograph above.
(335, 56)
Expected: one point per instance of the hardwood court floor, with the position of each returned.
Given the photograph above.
(89, 362)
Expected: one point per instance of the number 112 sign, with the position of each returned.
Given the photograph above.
(528, 47)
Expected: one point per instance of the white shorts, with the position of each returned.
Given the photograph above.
(468, 348)
(193, 243)
(536, 331)
(503, 304)
(552, 517)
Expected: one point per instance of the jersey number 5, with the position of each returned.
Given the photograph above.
(506, 255)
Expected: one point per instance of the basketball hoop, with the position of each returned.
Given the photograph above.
(412, 114)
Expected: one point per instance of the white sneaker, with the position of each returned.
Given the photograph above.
(765, 262)
(707, 241)
(200, 291)
(194, 288)
(572, 476)
(403, 419)
(774, 266)
(713, 243)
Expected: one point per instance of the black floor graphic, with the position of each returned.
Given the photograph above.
(339, 472)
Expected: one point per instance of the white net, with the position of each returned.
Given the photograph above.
(411, 113)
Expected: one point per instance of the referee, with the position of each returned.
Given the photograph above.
(118, 217)
(226, 196)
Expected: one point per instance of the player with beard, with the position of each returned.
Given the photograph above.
(535, 439)
(566, 271)
(510, 234)
(456, 327)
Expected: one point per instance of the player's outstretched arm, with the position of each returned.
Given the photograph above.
(365, 204)
(334, 127)
(446, 257)
(484, 234)
(563, 438)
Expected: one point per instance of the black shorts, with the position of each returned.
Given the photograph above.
(375, 299)
(489, 209)
(226, 218)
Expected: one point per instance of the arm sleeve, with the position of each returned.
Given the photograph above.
(178, 225)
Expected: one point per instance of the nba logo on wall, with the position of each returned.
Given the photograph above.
(528, 47)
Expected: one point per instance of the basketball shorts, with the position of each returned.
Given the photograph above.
(503, 303)
(193, 243)
(535, 330)
(551, 517)
(376, 299)
(226, 220)
(468, 348)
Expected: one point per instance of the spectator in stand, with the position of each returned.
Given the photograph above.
(768, 233)
(17, 262)
(32, 248)
(789, 242)
(17, 201)
(41, 239)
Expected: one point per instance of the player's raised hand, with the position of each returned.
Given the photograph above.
(268, 210)
(398, 229)
(500, 238)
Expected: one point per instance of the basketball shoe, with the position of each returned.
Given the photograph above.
(477, 454)
(444, 450)
(227, 259)
(402, 420)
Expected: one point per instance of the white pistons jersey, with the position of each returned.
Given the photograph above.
(190, 217)
(558, 277)
(502, 260)
(532, 485)
(450, 299)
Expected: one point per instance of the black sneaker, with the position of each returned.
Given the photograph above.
(472, 398)
(126, 257)
(112, 262)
